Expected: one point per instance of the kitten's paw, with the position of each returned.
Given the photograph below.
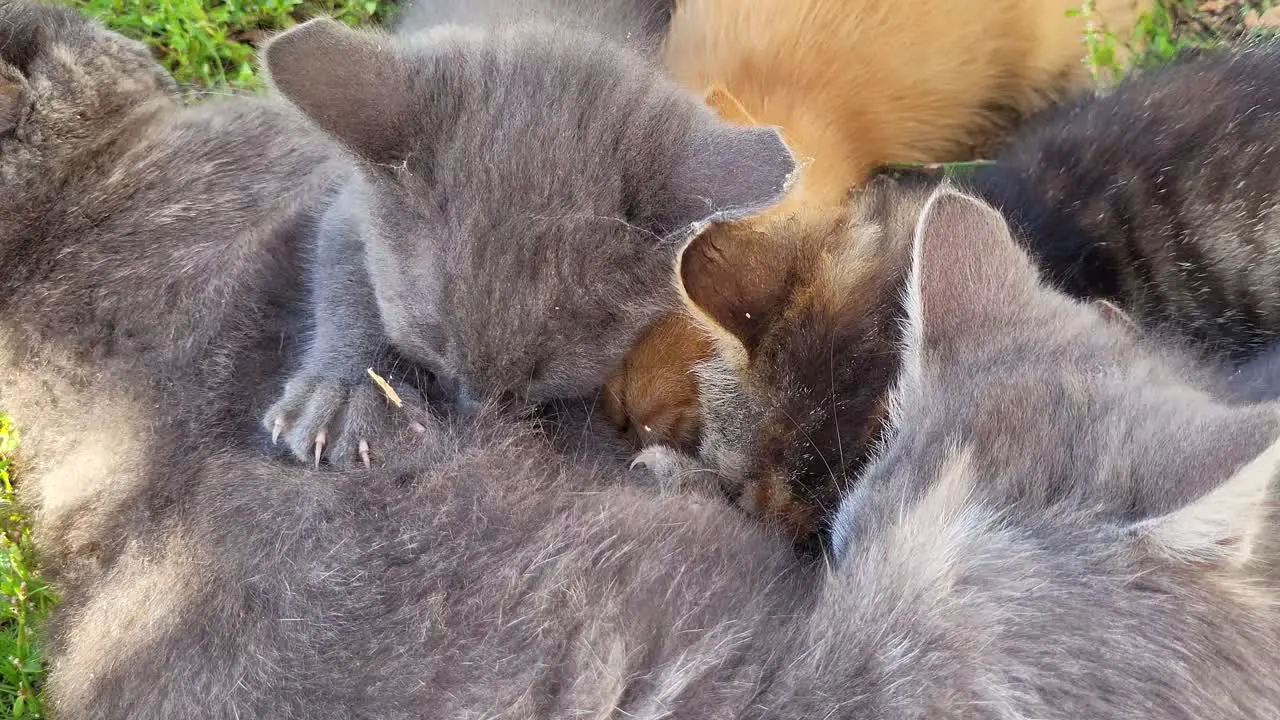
(322, 418)
(674, 470)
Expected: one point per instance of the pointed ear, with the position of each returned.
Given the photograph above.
(736, 278)
(727, 106)
(13, 99)
(726, 172)
(967, 270)
(1221, 528)
(1114, 313)
(354, 85)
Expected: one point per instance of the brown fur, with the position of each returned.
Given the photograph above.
(854, 84)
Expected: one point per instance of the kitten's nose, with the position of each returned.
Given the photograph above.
(465, 400)
(459, 394)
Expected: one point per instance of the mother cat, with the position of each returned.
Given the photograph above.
(484, 574)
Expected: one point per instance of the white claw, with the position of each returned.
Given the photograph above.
(276, 429)
(638, 463)
(417, 427)
(364, 454)
(320, 438)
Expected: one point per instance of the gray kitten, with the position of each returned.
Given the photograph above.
(525, 182)
(1059, 405)
(165, 215)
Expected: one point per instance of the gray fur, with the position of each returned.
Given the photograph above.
(1160, 195)
(1067, 415)
(109, 179)
(1058, 403)
(482, 573)
(640, 24)
(524, 187)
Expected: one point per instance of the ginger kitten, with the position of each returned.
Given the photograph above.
(856, 83)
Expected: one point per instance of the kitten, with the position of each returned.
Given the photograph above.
(1074, 431)
(1160, 196)
(806, 320)
(524, 183)
(159, 211)
(494, 581)
(1058, 404)
(854, 84)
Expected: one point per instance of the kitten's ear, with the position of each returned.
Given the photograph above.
(727, 106)
(351, 83)
(1220, 529)
(1114, 313)
(967, 271)
(726, 172)
(736, 278)
(13, 98)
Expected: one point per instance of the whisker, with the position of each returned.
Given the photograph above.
(835, 406)
(822, 456)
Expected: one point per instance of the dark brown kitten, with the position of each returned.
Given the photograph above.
(807, 316)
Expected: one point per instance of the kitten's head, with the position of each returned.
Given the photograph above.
(528, 190)
(66, 81)
(952, 597)
(806, 313)
(1058, 404)
(1060, 507)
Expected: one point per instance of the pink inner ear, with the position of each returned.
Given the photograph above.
(10, 104)
(970, 269)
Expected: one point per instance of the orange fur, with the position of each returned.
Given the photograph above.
(654, 396)
(853, 84)
(856, 83)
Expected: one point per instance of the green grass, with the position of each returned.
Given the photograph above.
(1170, 27)
(24, 599)
(209, 45)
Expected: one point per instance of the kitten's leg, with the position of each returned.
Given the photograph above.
(331, 408)
(675, 471)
